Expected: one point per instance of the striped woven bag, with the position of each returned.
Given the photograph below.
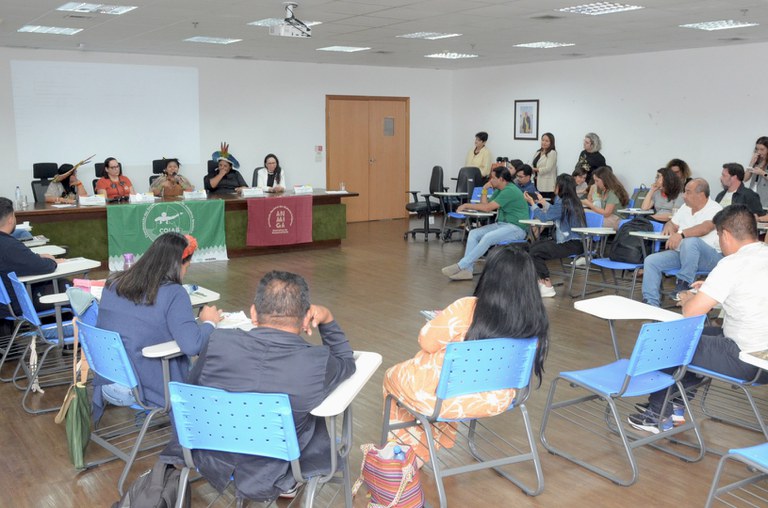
(392, 482)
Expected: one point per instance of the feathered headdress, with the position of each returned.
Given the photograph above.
(224, 155)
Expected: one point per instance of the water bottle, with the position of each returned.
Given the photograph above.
(18, 198)
(127, 261)
(398, 453)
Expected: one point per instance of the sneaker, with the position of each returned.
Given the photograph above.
(547, 291)
(580, 261)
(680, 287)
(290, 494)
(462, 275)
(649, 422)
(451, 270)
(678, 414)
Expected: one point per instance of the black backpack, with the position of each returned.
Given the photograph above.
(157, 488)
(626, 248)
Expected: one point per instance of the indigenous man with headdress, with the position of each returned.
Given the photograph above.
(226, 178)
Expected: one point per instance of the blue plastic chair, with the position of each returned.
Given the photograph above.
(756, 458)
(475, 198)
(593, 220)
(618, 266)
(107, 357)
(474, 367)
(9, 347)
(659, 346)
(37, 365)
(212, 419)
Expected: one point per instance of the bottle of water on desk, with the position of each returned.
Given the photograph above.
(127, 261)
(18, 198)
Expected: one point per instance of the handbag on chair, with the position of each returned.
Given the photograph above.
(392, 478)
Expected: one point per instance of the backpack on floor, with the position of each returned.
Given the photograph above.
(156, 488)
(627, 248)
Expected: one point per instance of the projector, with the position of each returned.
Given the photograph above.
(290, 30)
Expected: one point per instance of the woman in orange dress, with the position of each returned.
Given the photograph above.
(506, 303)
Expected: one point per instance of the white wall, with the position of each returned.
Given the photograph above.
(258, 107)
(702, 106)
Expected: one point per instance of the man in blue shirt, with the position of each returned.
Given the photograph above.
(523, 178)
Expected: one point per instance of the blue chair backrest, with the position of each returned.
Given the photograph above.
(250, 423)
(594, 220)
(28, 311)
(5, 299)
(477, 192)
(665, 345)
(485, 365)
(106, 354)
(84, 305)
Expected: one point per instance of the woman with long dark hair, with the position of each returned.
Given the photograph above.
(148, 305)
(272, 179)
(567, 213)
(607, 196)
(664, 196)
(65, 187)
(507, 304)
(545, 165)
(756, 177)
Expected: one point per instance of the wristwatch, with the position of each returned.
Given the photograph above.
(682, 234)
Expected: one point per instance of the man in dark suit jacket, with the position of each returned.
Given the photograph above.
(734, 191)
(275, 358)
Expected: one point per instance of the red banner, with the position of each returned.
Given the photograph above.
(281, 220)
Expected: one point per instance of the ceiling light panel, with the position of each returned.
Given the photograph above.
(544, 45)
(430, 36)
(599, 8)
(343, 49)
(724, 24)
(53, 30)
(115, 10)
(212, 40)
(448, 55)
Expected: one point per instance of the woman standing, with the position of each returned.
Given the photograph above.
(479, 156)
(567, 213)
(273, 178)
(665, 195)
(65, 187)
(545, 165)
(607, 196)
(507, 282)
(757, 173)
(590, 158)
(113, 185)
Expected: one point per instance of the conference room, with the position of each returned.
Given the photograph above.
(652, 90)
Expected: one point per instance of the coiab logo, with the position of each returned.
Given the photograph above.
(165, 217)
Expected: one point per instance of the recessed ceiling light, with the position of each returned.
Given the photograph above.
(544, 45)
(724, 24)
(55, 30)
(430, 36)
(450, 55)
(343, 49)
(212, 40)
(96, 8)
(598, 8)
(279, 21)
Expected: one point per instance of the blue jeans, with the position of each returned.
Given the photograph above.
(482, 239)
(694, 256)
(118, 395)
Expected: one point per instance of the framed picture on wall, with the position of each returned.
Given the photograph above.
(527, 119)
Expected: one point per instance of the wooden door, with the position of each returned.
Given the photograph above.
(367, 149)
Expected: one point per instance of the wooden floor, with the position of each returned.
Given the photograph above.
(375, 284)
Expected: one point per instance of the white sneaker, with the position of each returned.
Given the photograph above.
(580, 261)
(547, 291)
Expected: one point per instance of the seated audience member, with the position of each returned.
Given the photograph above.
(665, 195)
(580, 178)
(272, 179)
(590, 158)
(171, 183)
(607, 196)
(148, 305)
(741, 292)
(17, 257)
(545, 165)
(734, 191)
(507, 200)
(479, 156)
(756, 177)
(226, 178)
(275, 358)
(65, 187)
(523, 179)
(692, 244)
(681, 169)
(567, 213)
(506, 303)
(113, 185)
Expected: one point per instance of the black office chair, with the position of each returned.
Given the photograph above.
(43, 172)
(255, 177)
(427, 207)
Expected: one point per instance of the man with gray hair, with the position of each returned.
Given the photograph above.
(274, 358)
(692, 245)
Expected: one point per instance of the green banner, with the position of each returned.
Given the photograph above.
(133, 228)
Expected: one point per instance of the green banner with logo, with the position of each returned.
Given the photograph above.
(131, 228)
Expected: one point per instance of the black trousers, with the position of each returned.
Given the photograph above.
(546, 249)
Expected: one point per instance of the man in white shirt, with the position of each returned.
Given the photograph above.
(692, 246)
(738, 283)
